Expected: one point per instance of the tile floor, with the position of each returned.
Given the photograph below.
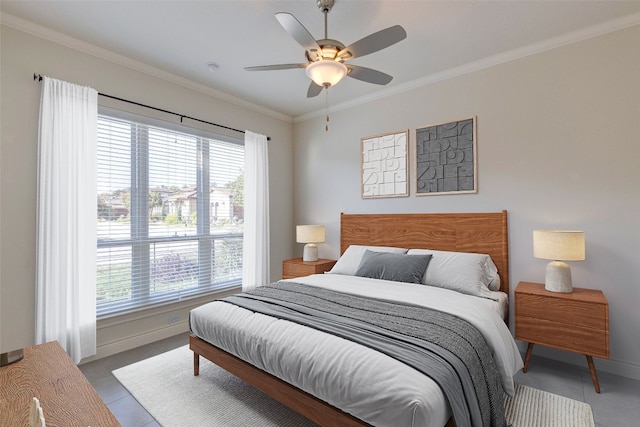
(618, 404)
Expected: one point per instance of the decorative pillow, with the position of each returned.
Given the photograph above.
(467, 273)
(396, 267)
(350, 260)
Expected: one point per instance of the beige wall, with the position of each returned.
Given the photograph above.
(558, 147)
(22, 55)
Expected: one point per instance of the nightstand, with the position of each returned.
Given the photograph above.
(297, 268)
(577, 322)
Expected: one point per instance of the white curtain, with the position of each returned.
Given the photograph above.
(66, 218)
(255, 265)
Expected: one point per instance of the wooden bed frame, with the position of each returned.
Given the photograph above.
(461, 232)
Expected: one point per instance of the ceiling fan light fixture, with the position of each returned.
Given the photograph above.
(326, 73)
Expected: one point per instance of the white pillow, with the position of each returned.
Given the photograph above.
(467, 273)
(350, 260)
(491, 274)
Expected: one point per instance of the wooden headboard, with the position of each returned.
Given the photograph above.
(484, 233)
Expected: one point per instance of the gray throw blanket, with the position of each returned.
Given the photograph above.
(444, 347)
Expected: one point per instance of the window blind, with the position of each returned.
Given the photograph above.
(170, 214)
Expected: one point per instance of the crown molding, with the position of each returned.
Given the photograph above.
(490, 61)
(88, 48)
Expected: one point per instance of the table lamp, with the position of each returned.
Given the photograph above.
(310, 234)
(558, 246)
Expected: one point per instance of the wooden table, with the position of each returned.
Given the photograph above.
(66, 396)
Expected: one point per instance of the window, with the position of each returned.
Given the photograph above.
(170, 213)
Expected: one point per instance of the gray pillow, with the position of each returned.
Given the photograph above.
(396, 267)
(350, 260)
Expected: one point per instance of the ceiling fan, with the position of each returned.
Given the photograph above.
(326, 57)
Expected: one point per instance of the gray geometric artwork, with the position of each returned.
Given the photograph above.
(446, 158)
(384, 165)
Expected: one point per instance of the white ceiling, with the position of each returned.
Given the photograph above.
(443, 38)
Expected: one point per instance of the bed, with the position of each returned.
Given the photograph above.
(217, 336)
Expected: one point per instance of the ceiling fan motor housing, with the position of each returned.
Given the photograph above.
(329, 50)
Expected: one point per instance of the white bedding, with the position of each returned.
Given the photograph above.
(369, 385)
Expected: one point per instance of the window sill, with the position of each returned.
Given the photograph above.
(127, 316)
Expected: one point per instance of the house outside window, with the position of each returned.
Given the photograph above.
(170, 212)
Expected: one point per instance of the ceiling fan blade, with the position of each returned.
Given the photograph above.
(373, 42)
(299, 33)
(314, 90)
(275, 67)
(368, 75)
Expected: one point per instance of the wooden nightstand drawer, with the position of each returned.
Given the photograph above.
(569, 312)
(582, 340)
(297, 268)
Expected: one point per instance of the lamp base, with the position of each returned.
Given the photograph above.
(558, 277)
(310, 252)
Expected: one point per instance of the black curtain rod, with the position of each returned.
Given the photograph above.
(38, 77)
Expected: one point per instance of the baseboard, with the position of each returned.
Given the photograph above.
(616, 367)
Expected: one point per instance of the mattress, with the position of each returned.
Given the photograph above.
(360, 381)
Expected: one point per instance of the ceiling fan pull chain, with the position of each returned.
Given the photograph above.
(326, 108)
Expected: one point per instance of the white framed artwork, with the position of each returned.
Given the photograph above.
(384, 164)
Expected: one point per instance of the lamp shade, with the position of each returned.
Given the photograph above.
(558, 245)
(326, 72)
(309, 233)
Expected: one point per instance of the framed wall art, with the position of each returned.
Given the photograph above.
(385, 165)
(446, 158)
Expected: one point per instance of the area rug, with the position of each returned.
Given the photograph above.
(165, 386)
(531, 407)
